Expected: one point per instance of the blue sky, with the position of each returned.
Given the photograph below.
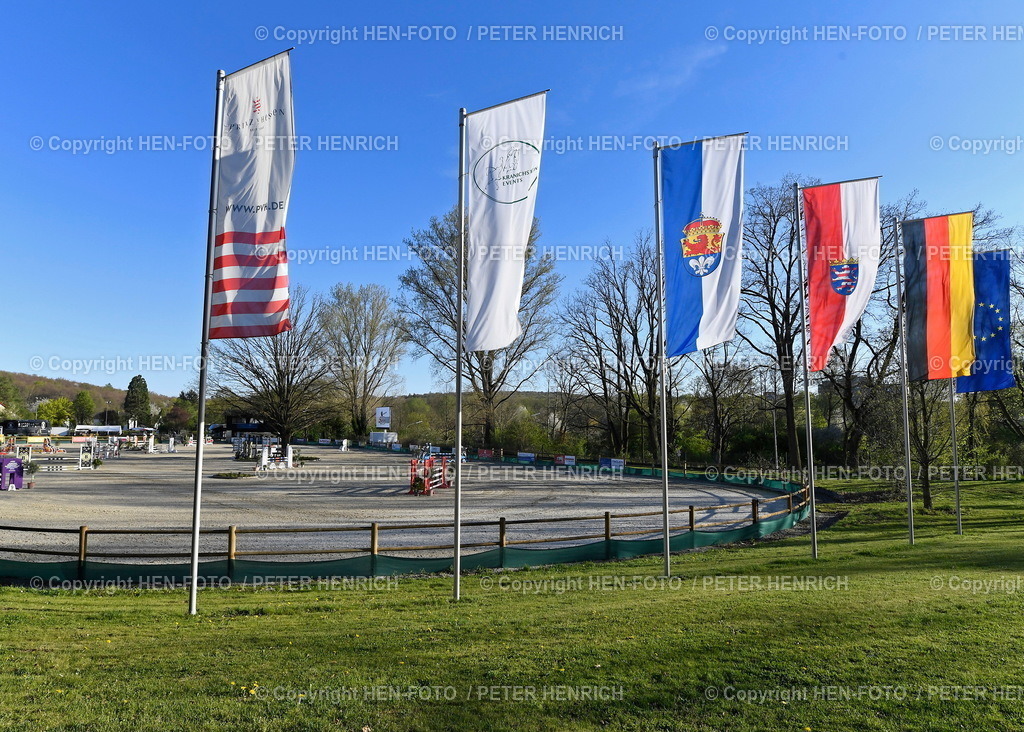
(104, 253)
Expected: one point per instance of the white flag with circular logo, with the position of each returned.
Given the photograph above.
(504, 145)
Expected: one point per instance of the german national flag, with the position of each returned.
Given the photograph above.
(940, 296)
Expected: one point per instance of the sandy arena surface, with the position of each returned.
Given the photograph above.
(351, 489)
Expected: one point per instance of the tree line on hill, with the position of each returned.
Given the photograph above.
(65, 403)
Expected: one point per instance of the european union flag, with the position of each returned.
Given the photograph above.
(993, 368)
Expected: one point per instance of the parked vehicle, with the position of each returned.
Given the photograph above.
(32, 427)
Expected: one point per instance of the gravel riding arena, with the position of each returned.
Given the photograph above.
(341, 489)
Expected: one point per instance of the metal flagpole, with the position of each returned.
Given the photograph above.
(807, 373)
(460, 339)
(903, 377)
(204, 349)
(956, 459)
(457, 540)
(662, 364)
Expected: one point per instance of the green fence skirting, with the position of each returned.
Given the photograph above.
(269, 572)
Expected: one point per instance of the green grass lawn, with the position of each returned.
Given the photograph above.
(896, 643)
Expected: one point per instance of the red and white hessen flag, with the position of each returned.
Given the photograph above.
(843, 246)
(250, 268)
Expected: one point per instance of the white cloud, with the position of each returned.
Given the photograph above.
(671, 76)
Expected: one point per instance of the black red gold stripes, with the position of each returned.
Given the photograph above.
(940, 296)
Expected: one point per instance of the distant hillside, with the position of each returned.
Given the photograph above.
(34, 387)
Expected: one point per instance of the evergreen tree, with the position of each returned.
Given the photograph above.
(136, 401)
(84, 407)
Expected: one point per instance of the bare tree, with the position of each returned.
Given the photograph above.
(429, 304)
(610, 345)
(568, 408)
(770, 310)
(364, 338)
(724, 395)
(283, 380)
(591, 361)
(929, 429)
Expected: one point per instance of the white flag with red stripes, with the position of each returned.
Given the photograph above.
(250, 270)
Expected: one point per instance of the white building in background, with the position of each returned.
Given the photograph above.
(86, 429)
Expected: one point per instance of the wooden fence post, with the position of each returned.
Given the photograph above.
(502, 541)
(231, 551)
(693, 519)
(83, 543)
(753, 510)
(607, 535)
(789, 502)
(374, 547)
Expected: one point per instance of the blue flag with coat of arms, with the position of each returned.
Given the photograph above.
(702, 225)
